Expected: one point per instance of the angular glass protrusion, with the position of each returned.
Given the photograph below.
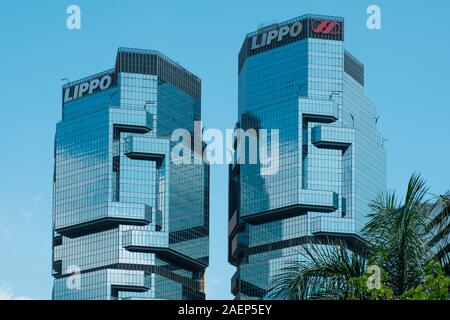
(329, 137)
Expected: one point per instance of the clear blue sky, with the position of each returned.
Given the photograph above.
(407, 76)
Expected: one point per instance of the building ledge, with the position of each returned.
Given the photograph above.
(309, 200)
(332, 137)
(157, 242)
(118, 213)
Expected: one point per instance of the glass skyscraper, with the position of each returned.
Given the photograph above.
(439, 231)
(296, 76)
(127, 222)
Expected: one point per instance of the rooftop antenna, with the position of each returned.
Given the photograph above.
(264, 25)
(335, 93)
(148, 102)
(111, 96)
(376, 119)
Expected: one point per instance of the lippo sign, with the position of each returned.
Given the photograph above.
(326, 27)
(266, 38)
(86, 88)
(278, 35)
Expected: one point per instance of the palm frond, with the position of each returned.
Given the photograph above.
(322, 273)
(398, 231)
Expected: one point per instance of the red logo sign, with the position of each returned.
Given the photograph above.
(326, 27)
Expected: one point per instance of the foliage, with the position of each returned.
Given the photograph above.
(364, 292)
(434, 287)
(398, 235)
(323, 273)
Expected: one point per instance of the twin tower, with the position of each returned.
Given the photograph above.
(130, 223)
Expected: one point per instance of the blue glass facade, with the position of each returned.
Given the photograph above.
(127, 222)
(332, 161)
(439, 231)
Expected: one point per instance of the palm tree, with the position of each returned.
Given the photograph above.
(397, 231)
(323, 273)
